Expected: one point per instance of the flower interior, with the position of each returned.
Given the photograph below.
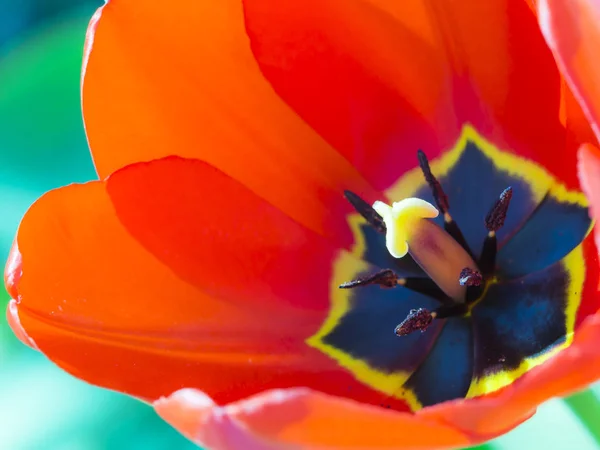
(458, 299)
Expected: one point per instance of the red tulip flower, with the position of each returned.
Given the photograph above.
(327, 224)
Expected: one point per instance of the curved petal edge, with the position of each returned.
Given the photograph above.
(572, 31)
(14, 322)
(301, 418)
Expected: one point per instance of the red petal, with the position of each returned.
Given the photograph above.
(589, 174)
(572, 30)
(182, 81)
(577, 126)
(532, 5)
(302, 419)
(380, 79)
(590, 300)
(192, 413)
(172, 274)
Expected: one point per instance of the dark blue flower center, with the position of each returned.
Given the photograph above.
(524, 311)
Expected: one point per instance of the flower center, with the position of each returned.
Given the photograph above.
(522, 287)
(455, 279)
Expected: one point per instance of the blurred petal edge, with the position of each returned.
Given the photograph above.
(301, 418)
(12, 317)
(572, 31)
(589, 175)
(13, 270)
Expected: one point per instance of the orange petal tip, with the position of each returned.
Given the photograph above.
(179, 407)
(303, 418)
(195, 415)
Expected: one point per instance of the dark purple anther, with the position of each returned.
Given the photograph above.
(495, 218)
(417, 319)
(384, 278)
(440, 197)
(470, 277)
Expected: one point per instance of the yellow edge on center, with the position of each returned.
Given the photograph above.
(574, 266)
(346, 267)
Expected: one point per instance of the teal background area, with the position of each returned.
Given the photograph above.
(43, 146)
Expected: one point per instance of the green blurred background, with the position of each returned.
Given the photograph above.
(42, 146)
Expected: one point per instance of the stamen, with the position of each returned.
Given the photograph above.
(470, 277)
(420, 319)
(495, 218)
(384, 278)
(425, 286)
(441, 201)
(445, 311)
(417, 319)
(493, 222)
(439, 196)
(365, 210)
(487, 260)
(438, 254)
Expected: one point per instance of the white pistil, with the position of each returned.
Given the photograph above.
(409, 230)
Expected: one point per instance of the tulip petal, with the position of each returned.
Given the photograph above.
(380, 79)
(571, 115)
(194, 414)
(532, 4)
(300, 418)
(572, 31)
(182, 81)
(576, 123)
(589, 174)
(171, 267)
